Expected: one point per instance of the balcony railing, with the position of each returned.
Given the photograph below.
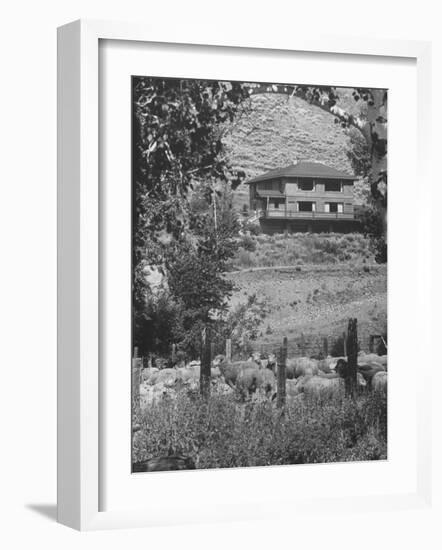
(281, 213)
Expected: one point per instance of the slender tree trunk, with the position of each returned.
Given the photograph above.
(352, 358)
(206, 360)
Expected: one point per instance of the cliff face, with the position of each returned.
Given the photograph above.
(278, 131)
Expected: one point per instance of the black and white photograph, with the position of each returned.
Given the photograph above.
(259, 274)
(221, 270)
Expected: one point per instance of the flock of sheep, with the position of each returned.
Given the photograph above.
(257, 376)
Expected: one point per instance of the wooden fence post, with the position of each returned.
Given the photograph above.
(173, 354)
(325, 346)
(229, 350)
(212, 352)
(281, 375)
(302, 344)
(206, 362)
(344, 340)
(352, 357)
(136, 380)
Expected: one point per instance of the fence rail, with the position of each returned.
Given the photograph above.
(302, 345)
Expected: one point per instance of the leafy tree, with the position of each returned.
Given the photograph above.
(196, 264)
(177, 143)
(372, 225)
(164, 316)
(243, 323)
(359, 154)
(370, 217)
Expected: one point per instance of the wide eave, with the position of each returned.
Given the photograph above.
(313, 170)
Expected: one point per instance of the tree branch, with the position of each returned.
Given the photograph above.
(319, 97)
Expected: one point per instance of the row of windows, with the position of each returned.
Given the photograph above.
(308, 206)
(303, 185)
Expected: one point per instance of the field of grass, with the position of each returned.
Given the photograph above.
(227, 433)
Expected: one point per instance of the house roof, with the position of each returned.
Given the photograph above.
(303, 170)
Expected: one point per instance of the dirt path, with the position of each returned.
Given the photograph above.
(323, 268)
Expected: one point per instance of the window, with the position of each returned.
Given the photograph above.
(305, 184)
(266, 185)
(277, 203)
(333, 185)
(334, 207)
(306, 206)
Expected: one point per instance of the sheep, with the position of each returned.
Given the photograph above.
(254, 378)
(319, 386)
(245, 376)
(365, 373)
(230, 371)
(379, 382)
(147, 373)
(301, 366)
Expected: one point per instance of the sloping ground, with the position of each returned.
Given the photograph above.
(317, 301)
(278, 131)
(302, 248)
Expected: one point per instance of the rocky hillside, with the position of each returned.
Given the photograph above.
(278, 130)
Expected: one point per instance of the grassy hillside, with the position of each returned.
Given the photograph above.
(302, 248)
(277, 131)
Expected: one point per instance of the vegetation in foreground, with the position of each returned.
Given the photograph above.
(226, 433)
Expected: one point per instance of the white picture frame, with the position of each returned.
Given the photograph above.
(79, 266)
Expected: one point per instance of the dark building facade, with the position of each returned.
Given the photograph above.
(306, 196)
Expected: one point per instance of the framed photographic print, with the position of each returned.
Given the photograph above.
(231, 327)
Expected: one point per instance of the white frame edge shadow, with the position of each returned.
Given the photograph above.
(78, 475)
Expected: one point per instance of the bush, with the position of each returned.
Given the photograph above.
(244, 258)
(248, 243)
(253, 228)
(372, 225)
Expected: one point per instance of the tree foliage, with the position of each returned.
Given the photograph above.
(359, 154)
(372, 224)
(195, 270)
(177, 147)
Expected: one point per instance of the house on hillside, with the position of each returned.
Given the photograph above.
(306, 196)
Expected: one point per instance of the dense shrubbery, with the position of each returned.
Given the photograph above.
(248, 243)
(171, 321)
(372, 225)
(242, 324)
(253, 228)
(299, 248)
(224, 433)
